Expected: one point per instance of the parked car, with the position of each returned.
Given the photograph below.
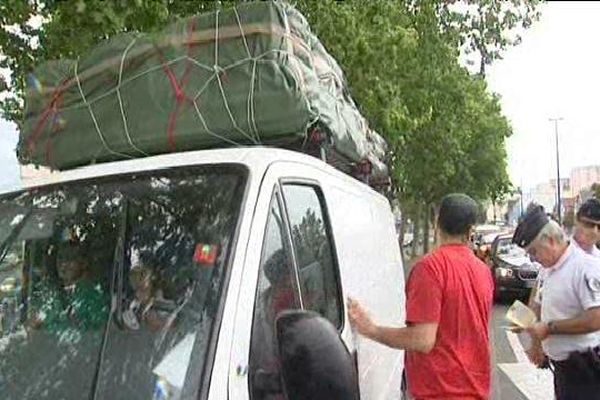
(482, 240)
(258, 248)
(514, 273)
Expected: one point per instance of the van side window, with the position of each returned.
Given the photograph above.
(277, 291)
(313, 246)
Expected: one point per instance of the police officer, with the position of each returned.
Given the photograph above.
(569, 328)
(586, 235)
(587, 227)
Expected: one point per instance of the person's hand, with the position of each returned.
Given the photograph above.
(536, 355)
(538, 331)
(360, 319)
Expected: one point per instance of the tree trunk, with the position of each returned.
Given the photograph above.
(482, 67)
(403, 218)
(426, 217)
(434, 218)
(416, 229)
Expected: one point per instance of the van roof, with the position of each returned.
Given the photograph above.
(257, 158)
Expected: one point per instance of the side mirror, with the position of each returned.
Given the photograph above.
(315, 363)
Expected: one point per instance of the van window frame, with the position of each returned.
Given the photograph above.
(276, 199)
(316, 185)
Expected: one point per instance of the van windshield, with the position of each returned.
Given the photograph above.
(109, 288)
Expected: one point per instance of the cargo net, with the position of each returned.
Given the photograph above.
(269, 81)
(179, 93)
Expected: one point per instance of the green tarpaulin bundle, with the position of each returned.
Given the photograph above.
(250, 75)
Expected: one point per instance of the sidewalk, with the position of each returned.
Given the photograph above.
(534, 383)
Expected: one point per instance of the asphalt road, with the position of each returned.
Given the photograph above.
(502, 387)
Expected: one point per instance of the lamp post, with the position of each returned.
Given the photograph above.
(555, 120)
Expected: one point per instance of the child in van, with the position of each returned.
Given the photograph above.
(148, 305)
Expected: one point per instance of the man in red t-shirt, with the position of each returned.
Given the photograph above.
(449, 299)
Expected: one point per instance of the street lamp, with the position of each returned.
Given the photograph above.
(555, 120)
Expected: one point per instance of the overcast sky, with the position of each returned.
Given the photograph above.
(554, 72)
(9, 173)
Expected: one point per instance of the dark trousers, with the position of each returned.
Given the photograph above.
(578, 377)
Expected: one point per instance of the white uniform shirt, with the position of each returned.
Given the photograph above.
(595, 251)
(570, 287)
(542, 273)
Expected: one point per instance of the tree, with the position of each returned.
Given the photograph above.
(38, 30)
(401, 59)
(488, 27)
(596, 190)
(445, 130)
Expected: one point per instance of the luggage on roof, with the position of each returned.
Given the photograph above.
(250, 75)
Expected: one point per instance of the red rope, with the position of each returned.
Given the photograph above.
(52, 107)
(54, 130)
(177, 87)
(178, 92)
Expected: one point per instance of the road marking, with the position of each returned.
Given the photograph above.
(532, 382)
(515, 343)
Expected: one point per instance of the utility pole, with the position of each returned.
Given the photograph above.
(555, 120)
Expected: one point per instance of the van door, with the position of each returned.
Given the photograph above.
(291, 263)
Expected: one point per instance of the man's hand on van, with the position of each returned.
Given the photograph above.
(360, 319)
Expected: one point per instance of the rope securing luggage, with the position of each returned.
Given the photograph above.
(250, 75)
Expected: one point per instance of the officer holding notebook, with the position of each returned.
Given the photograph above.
(586, 236)
(569, 329)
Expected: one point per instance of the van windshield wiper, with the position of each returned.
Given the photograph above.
(116, 295)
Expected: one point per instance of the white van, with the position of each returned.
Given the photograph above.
(216, 274)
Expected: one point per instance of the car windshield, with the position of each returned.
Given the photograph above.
(507, 248)
(109, 287)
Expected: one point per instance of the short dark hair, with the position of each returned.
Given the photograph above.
(590, 209)
(458, 213)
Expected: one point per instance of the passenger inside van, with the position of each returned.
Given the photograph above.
(280, 295)
(277, 297)
(77, 301)
(148, 304)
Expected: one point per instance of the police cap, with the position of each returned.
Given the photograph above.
(531, 225)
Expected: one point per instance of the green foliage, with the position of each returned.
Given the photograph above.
(445, 129)
(487, 27)
(596, 190)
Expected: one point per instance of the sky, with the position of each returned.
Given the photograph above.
(9, 171)
(554, 72)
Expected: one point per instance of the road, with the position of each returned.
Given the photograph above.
(502, 387)
(514, 377)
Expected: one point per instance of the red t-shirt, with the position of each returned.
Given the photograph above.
(454, 288)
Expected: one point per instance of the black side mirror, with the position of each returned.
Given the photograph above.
(315, 363)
